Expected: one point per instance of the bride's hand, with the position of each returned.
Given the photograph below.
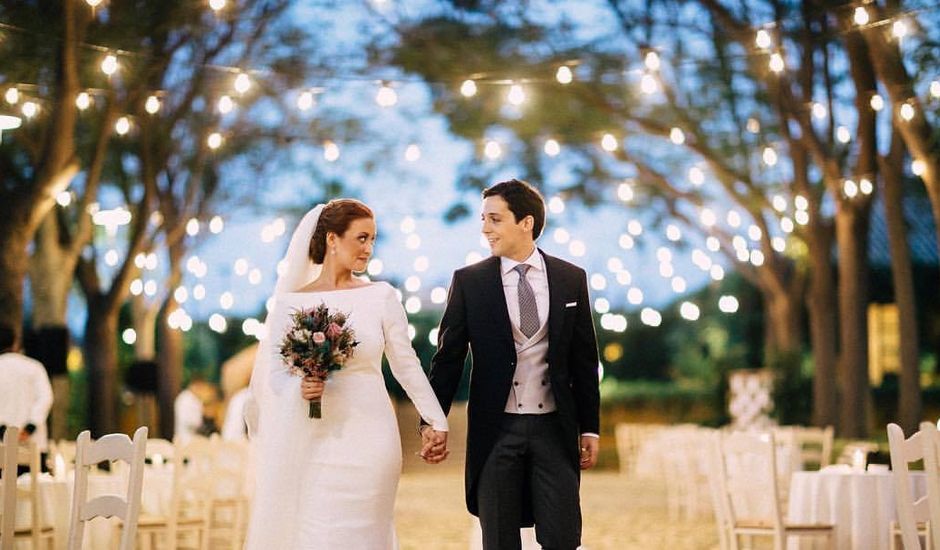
(311, 388)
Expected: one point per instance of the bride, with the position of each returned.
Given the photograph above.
(330, 482)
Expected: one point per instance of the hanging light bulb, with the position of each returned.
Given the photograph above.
(609, 143)
(865, 186)
(12, 95)
(83, 101)
(468, 88)
(563, 75)
(226, 104)
(677, 136)
(648, 84)
(386, 96)
(217, 5)
(30, 109)
(907, 112)
(122, 126)
(330, 151)
(935, 89)
(843, 134)
(412, 153)
(242, 83)
(776, 62)
(651, 60)
(850, 188)
(109, 65)
(492, 150)
(762, 39)
(93, 3)
(516, 95)
(552, 148)
(918, 167)
(819, 110)
(696, 176)
(877, 102)
(899, 29)
(769, 156)
(753, 125)
(152, 105)
(214, 141)
(305, 100)
(861, 16)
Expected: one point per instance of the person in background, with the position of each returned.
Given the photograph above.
(189, 409)
(25, 392)
(234, 428)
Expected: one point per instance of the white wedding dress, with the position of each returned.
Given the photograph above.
(330, 483)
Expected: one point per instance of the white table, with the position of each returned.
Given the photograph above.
(861, 505)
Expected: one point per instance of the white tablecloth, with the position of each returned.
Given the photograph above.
(56, 501)
(861, 505)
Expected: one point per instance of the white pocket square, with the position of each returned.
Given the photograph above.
(571, 304)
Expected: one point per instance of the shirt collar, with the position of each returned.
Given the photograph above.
(534, 260)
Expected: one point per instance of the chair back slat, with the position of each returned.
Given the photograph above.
(105, 506)
(910, 511)
(931, 443)
(8, 452)
(111, 447)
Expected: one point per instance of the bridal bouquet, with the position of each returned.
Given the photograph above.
(317, 343)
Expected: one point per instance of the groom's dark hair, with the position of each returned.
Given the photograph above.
(337, 216)
(523, 200)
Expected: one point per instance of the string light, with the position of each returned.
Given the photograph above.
(552, 148)
(30, 109)
(753, 125)
(728, 304)
(625, 192)
(563, 75)
(330, 151)
(214, 141)
(899, 29)
(769, 156)
(63, 198)
(83, 101)
(412, 153)
(696, 176)
(225, 105)
(843, 134)
(192, 227)
(779, 203)
(12, 95)
(305, 100)
(935, 89)
(516, 95)
(468, 88)
(217, 5)
(865, 186)
(109, 65)
(386, 96)
(907, 112)
(651, 61)
(877, 102)
(861, 16)
(918, 167)
(849, 188)
(216, 225)
(93, 3)
(800, 202)
(762, 39)
(649, 85)
(242, 83)
(777, 64)
(556, 205)
(492, 150)
(152, 105)
(609, 143)
(677, 136)
(819, 110)
(122, 126)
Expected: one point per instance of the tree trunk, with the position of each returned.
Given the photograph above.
(821, 305)
(100, 347)
(14, 238)
(902, 277)
(170, 357)
(852, 239)
(783, 332)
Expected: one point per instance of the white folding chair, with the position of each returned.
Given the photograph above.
(912, 514)
(931, 442)
(8, 452)
(750, 492)
(814, 446)
(39, 530)
(112, 447)
(186, 524)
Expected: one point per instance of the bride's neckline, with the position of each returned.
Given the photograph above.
(368, 285)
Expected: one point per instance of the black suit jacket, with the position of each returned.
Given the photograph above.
(476, 317)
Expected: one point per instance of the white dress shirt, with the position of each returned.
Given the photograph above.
(187, 409)
(233, 428)
(25, 395)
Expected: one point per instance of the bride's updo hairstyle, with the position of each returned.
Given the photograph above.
(336, 217)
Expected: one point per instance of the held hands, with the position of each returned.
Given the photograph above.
(433, 445)
(590, 446)
(311, 388)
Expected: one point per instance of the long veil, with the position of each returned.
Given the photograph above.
(272, 422)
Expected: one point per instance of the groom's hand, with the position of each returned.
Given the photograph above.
(434, 445)
(590, 446)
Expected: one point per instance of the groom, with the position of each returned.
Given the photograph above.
(533, 413)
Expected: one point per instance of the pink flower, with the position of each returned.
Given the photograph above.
(319, 338)
(333, 331)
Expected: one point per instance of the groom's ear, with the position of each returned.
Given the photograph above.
(528, 224)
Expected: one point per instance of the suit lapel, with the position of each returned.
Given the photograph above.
(497, 299)
(556, 314)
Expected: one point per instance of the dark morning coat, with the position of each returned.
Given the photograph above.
(476, 317)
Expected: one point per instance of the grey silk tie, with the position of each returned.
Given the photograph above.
(528, 310)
